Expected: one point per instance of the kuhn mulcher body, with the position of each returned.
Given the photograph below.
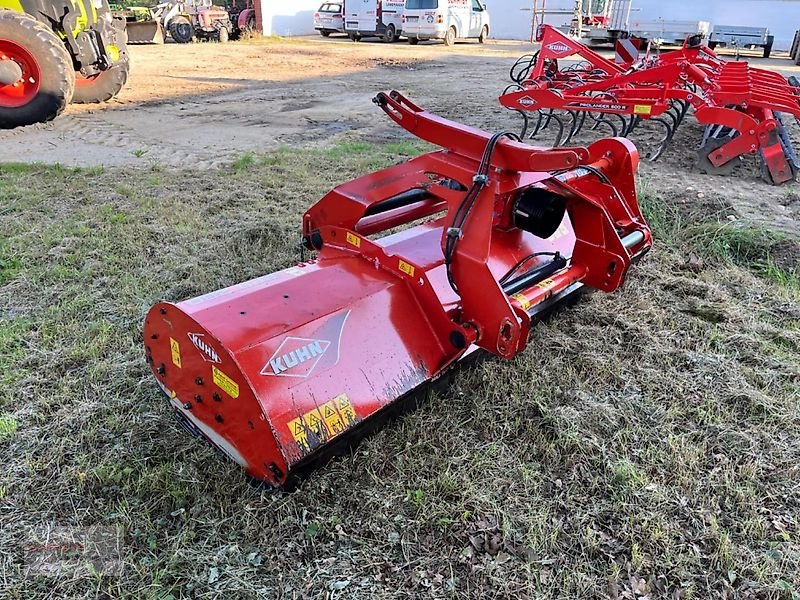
(277, 370)
(740, 105)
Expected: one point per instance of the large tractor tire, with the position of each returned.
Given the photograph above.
(101, 87)
(181, 30)
(37, 78)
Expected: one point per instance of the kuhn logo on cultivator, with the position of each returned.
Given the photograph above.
(208, 353)
(558, 47)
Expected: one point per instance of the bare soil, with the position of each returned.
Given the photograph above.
(203, 105)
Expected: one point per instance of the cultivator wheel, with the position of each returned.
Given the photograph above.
(37, 79)
(707, 150)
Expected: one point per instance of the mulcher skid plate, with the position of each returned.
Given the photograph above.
(277, 370)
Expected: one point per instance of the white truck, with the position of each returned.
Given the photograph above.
(373, 18)
(445, 20)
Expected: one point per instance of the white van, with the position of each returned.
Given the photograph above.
(373, 18)
(445, 20)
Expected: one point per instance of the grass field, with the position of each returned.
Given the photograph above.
(646, 445)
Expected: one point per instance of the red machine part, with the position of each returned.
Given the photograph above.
(732, 97)
(274, 371)
(20, 75)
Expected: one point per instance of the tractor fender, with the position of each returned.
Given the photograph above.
(244, 17)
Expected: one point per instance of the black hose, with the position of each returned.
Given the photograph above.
(479, 181)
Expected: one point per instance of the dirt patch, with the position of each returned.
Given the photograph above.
(786, 254)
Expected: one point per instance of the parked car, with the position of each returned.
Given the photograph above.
(374, 18)
(329, 18)
(445, 20)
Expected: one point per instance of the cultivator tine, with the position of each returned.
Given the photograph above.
(578, 118)
(600, 119)
(552, 116)
(525, 124)
(630, 125)
(521, 69)
(652, 150)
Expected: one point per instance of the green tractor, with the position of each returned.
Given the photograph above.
(53, 52)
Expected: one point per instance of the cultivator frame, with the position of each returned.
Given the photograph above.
(278, 371)
(740, 105)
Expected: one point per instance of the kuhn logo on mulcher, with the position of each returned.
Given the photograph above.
(296, 357)
(209, 354)
(299, 356)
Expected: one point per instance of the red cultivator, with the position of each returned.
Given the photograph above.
(740, 105)
(277, 370)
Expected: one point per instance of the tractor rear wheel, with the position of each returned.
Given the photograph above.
(181, 30)
(101, 87)
(37, 78)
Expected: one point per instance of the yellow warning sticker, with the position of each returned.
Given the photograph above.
(545, 284)
(345, 409)
(642, 109)
(523, 301)
(175, 347)
(323, 423)
(406, 268)
(299, 432)
(353, 239)
(226, 384)
(332, 419)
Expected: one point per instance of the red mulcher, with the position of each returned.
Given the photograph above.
(740, 105)
(279, 370)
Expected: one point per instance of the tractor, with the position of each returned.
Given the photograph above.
(185, 21)
(53, 52)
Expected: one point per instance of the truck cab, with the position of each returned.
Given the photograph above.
(446, 20)
(373, 18)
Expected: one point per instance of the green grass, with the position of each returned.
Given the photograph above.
(770, 254)
(748, 246)
(646, 442)
(8, 427)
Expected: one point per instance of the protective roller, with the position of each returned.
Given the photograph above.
(487, 233)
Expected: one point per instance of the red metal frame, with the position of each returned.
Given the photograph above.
(274, 370)
(730, 94)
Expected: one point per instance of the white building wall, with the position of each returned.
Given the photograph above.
(288, 17)
(511, 19)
